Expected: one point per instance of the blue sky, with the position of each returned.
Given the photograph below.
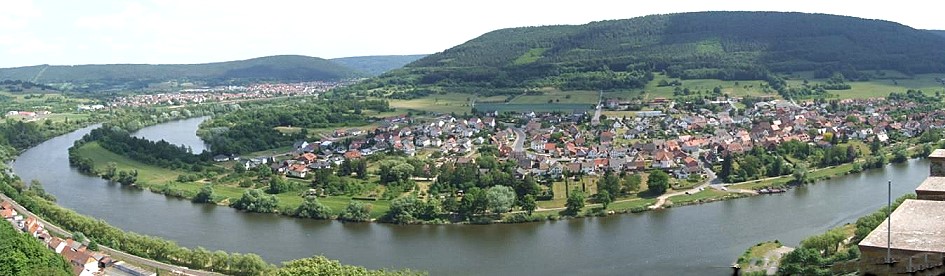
(197, 31)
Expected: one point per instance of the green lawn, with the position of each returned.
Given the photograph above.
(882, 87)
(450, 102)
(702, 195)
(531, 56)
(629, 205)
(147, 174)
(784, 180)
(533, 107)
(743, 88)
(559, 97)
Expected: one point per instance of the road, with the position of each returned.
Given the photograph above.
(115, 254)
(662, 199)
(519, 145)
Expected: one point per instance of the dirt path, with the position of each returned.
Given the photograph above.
(662, 199)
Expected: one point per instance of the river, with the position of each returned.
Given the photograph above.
(691, 240)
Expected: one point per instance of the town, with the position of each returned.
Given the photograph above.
(229, 93)
(687, 144)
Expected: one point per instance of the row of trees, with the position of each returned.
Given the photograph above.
(160, 153)
(252, 128)
(760, 163)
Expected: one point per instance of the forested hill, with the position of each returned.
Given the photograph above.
(376, 65)
(723, 45)
(132, 76)
(938, 32)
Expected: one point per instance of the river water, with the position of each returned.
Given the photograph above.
(691, 240)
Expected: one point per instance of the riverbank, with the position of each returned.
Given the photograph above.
(762, 258)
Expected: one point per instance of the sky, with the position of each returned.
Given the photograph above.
(34, 32)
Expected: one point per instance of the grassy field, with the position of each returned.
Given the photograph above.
(630, 204)
(882, 87)
(546, 107)
(146, 173)
(784, 180)
(560, 97)
(530, 56)
(451, 102)
(702, 195)
(732, 88)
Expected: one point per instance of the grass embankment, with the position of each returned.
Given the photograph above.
(164, 180)
(758, 257)
(782, 181)
(706, 195)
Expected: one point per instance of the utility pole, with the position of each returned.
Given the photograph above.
(889, 222)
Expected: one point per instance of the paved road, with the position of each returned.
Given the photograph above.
(519, 145)
(52, 228)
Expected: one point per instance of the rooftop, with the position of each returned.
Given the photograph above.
(917, 225)
(932, 184)
(939, 153)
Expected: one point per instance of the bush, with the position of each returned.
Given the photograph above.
(356, 211)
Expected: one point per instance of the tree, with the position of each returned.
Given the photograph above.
(111, 169)
(604, 198)
(632, 182)
(658, 183)
(803, 261)
(800, 173)
(92, 246)
(726, 170)
(408, 209)
(312, 208)
(900, 155)
(500, 199)
(361, 169)
(610, 183)
(528, 204)
(319, 265)
(575, 203)
(37, 189)
(278, 185)
(875, 145)
(254, 200)
(474, 202)
(239, 168)
(205, 194)
(356, 211)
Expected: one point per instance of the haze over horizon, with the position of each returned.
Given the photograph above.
(184, 32)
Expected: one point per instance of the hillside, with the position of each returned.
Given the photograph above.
(134, 76)
(623, 54)
(938, 32)
(376, 65)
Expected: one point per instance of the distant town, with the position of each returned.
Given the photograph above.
(229, 93)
